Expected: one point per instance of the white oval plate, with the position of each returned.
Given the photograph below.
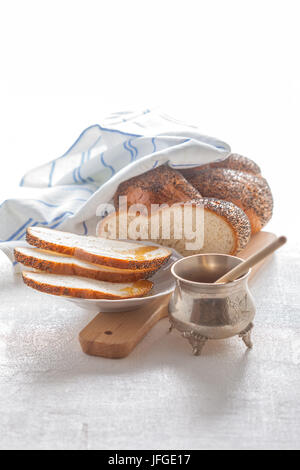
(163, 281)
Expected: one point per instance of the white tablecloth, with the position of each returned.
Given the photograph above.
(52, 396)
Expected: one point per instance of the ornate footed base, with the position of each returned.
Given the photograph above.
(197, 341)
(246, 336)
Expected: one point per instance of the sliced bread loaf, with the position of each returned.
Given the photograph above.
(85, 288)
(225, 227)
(115, 253)
(57, 263)
(251, 193)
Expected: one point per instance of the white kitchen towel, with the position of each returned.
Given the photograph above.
(66, 192)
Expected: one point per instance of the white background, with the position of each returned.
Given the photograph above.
(233, 68)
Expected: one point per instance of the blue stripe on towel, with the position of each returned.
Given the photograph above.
(85, 228)
(14, 235)
(58, 223)
(105, 129)
(78, 139)
(51, 173)
(117, 131)
(74, 175)
(22, 235)
(154, 144)
(129, 150)
(106, 165)
(136, 152)
(61, 218)
(32, 225)
(53, 220)
(46, 203)
(79, 168)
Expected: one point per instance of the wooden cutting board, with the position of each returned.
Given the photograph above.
(115, 335)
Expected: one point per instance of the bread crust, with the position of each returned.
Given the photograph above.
(119, 263)
(94, 258)
(233, 216)
(162, 185)
(233, 162)
(229, 212)
(73, 269)
(249, 192)
(81, 293)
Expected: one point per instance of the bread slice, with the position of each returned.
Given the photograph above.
(163, 185)
(251, 193)
(57, 263)
(114, 253)
(234, 162)
(225, 227)
(81, 287)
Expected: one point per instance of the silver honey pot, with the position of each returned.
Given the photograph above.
(202, 310)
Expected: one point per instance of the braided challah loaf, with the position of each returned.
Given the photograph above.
(249, 192)
(232, 191)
